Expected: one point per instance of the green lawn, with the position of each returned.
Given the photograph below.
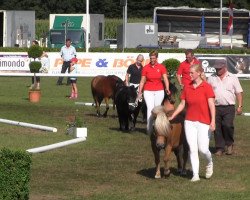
(109, 164)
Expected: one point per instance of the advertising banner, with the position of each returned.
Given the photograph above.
(93, 64)
(237, 64)
(89, 64)
(15, 62)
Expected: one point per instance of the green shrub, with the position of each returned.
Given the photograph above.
(35, 66)
(14, 174)
(172, 65)
(35, 51)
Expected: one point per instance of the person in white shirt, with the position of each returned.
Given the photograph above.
(67, 53)
(228, 102)
(45, 63)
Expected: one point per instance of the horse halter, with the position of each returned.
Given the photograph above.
(135, 104)
(170, 99)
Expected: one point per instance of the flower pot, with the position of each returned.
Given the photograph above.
(81, 132)
(34, 96)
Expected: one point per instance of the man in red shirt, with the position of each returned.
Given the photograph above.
(182, 74)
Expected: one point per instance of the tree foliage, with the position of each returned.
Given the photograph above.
(110, 8)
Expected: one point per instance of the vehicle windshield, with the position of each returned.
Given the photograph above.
(58, 36)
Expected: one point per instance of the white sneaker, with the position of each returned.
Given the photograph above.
(195, 178)
(209, 170)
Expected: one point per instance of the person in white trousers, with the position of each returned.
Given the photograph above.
(152, 79)
(198, 98)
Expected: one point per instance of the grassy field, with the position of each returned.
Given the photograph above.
(109, 164)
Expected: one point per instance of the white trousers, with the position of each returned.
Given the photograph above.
(198, 136)
(152, 99)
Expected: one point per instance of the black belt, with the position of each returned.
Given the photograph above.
(224, 105)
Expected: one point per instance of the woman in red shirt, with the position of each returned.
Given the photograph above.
(151, 84)
(198, 98)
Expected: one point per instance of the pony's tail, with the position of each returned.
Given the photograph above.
(162, 124)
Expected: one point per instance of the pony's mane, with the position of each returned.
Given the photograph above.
(156, 110)
(162, 125)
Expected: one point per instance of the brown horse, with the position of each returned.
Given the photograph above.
(104, 87)
(168, 136)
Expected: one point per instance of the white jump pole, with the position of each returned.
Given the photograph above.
(246, 114)
(45, 128)
(56, 145)
(90, 104)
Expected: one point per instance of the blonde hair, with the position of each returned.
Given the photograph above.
(199, 68)
(162, 125)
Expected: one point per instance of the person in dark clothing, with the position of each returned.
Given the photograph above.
(133, 77)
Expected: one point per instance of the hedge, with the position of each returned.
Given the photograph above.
(139, 50)
(14, 174)
(172, 65)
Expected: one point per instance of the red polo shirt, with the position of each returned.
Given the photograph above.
(154, 76)
(184, 70)
(197, 102)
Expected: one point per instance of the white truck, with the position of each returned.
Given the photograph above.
(73, 26)
(17, 28)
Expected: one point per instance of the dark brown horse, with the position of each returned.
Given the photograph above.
(104, 87)
(168, 136)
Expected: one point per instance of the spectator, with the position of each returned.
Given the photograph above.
(152, 86)
(182, 74)
(45, 63)
(67, 53)
(34, 42)
(73, 70)
(133, 76)
(198, 98)
(37, 86)
(227, 89)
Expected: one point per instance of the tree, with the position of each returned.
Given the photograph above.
(110, 8)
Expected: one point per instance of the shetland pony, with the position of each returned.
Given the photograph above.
(104, 87)
(168, 136)
(127, 107)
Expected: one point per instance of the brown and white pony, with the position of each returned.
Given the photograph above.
(168, 136)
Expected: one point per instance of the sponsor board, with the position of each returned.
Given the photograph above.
(93, 64)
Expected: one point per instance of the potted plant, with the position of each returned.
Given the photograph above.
(172, 65)
(80, 131)
(75, 126)
(34, 52)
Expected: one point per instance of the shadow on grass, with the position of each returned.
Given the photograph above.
(100, 117)
(140, 130)
(150, 173)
